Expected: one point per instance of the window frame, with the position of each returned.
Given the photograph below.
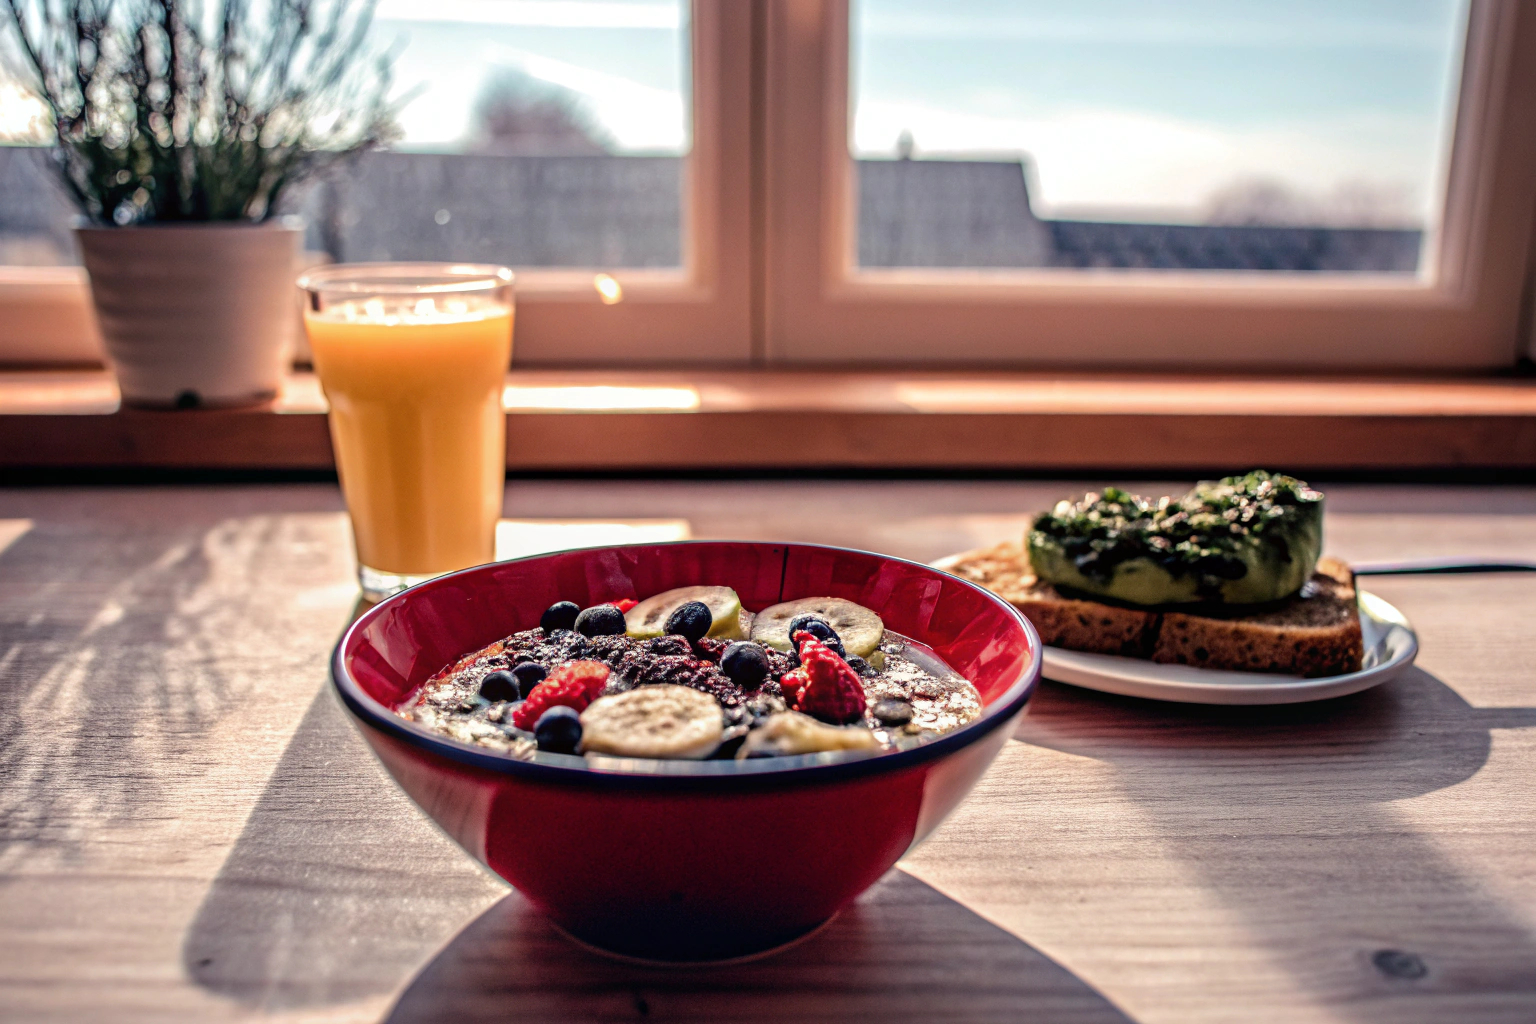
(821, 308)
(769, 274)
(698, 313)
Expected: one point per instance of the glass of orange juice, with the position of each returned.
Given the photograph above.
(413, 358)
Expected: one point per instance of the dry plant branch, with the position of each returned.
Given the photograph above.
(169, 110)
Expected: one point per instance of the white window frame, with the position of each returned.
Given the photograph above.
(769, 274)
(821, 308)
(699, 313)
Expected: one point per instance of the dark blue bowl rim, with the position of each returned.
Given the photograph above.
(710, 775)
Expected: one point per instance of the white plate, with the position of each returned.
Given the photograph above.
(1390, 647)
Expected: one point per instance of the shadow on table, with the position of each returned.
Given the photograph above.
(338, 888)
(903, 952)
(107, 676)
(1286, 813)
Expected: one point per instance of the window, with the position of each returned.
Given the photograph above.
(1011, 234)
(1207, 184)
(1153, 135)
(565, 138)
(538, 134)
(531, 134)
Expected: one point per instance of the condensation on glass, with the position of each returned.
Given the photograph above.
(540, 133)
(1312, 136)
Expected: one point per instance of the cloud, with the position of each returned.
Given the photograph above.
(637, 117)
(24, 119)
(1118, 159)
(1232, 29)
(537, 13)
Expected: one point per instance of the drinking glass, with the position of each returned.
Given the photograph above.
(413, 358)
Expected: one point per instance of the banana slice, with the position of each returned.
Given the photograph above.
(663, 721)
(859, 628)
(790, 732)
(647, 618)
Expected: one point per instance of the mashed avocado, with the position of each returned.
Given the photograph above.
(1240, 540)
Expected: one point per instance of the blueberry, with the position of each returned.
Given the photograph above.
(560, 615)
(690, 621)
(815, 625)
(745, 663)
(600, 620)
(558, 730)
(499, 686)
(818, 628)
(528, 675)
(892, 712)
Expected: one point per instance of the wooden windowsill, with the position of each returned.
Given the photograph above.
(638, 420)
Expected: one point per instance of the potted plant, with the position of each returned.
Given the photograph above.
(180, 127)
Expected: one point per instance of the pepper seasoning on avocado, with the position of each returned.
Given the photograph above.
(1240, 540)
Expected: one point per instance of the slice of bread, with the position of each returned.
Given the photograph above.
(1316, 633)
(1061, 621)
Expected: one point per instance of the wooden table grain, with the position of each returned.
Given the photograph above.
(191, 831)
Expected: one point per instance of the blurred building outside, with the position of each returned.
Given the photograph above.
(626, 211)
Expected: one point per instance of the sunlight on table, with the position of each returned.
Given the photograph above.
(599, 398)
(518, 538)
(11, 530)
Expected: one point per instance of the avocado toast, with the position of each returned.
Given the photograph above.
(1225, 577)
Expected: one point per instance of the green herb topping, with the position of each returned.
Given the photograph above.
(1216, 534)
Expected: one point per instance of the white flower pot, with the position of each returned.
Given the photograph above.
(195, 314)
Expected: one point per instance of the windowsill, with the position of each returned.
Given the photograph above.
(641, 420)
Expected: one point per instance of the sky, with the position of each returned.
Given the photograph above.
(1159, 103)
(1146, 107)
(626, 59)
(1136, 108)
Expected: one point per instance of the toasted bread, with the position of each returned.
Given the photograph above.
(1316, 633)
(1061, 621)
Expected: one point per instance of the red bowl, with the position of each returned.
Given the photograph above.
(684, 860)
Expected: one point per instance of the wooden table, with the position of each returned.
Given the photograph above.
(190, 830)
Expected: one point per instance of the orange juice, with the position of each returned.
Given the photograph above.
(418, 429)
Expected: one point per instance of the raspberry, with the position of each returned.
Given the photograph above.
(626, 604)
(573, 685)
(790, 684)
(831, 691)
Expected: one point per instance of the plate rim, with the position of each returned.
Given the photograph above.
(1263, 689)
